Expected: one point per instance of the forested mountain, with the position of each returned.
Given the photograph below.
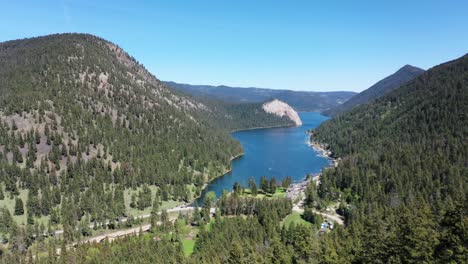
(402, 76)
(87, 135)
(299, 100)
(235, 116)
(84, 127)
(403, 170)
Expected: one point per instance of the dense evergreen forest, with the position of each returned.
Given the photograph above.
(255, 235)
(87, 135)
(379, 89)
(403, 172)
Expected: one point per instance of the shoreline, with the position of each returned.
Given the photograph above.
(236, 156)
(220, 175)
(296, 190)
(265, 127)
(323, 151)
(315, 145)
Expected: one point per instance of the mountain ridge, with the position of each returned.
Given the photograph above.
(403, 170)
(380, 88)
(299, 100)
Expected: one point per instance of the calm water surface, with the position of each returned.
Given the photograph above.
(273, 152)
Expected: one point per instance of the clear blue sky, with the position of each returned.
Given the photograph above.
(299, 45)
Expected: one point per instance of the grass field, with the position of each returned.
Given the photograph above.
(135, 212)
(188, 245)
(295, 218)
(10, 205)
(189, 242)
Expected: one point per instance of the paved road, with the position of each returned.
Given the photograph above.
(135, 230)
(132, 231)
(116, 234)
(124, 219)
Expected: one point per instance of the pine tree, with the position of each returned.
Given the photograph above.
(205, 212)
(253, 186)
(418, 238)
(19, 207)
(264, 184)
(236, 254)
(154, 213)
(133, 203)
(272, 185)
(164, 219)
(452, 247)
(196, 215)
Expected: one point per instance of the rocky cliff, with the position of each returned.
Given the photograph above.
(281, 109)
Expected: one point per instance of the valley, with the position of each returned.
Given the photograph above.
(352, 155)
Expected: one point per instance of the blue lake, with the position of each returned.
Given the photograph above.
(273, 152)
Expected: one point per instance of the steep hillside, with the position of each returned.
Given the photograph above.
(299, 100)
(402, 76)
(88, 132)
(403, 171)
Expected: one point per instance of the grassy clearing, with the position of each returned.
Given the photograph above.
(208, 226)
(188, 245)
(10, 205)
(23, 194)
(280, 192)
(295, 218)
(189, 242)
(135, 212)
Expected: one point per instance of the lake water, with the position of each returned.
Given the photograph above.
(277, 152)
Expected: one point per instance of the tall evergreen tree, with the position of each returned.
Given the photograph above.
(19, 207)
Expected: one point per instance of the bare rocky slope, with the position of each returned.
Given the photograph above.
(282, 109)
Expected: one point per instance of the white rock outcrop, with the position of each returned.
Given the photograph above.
(281, 109)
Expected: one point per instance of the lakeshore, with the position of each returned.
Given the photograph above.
(271, 152)
(264, 127)
(296, 191)
(226, 171)
(323, 149)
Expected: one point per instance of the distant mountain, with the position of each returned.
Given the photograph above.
(402, 76)
(299, 100)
